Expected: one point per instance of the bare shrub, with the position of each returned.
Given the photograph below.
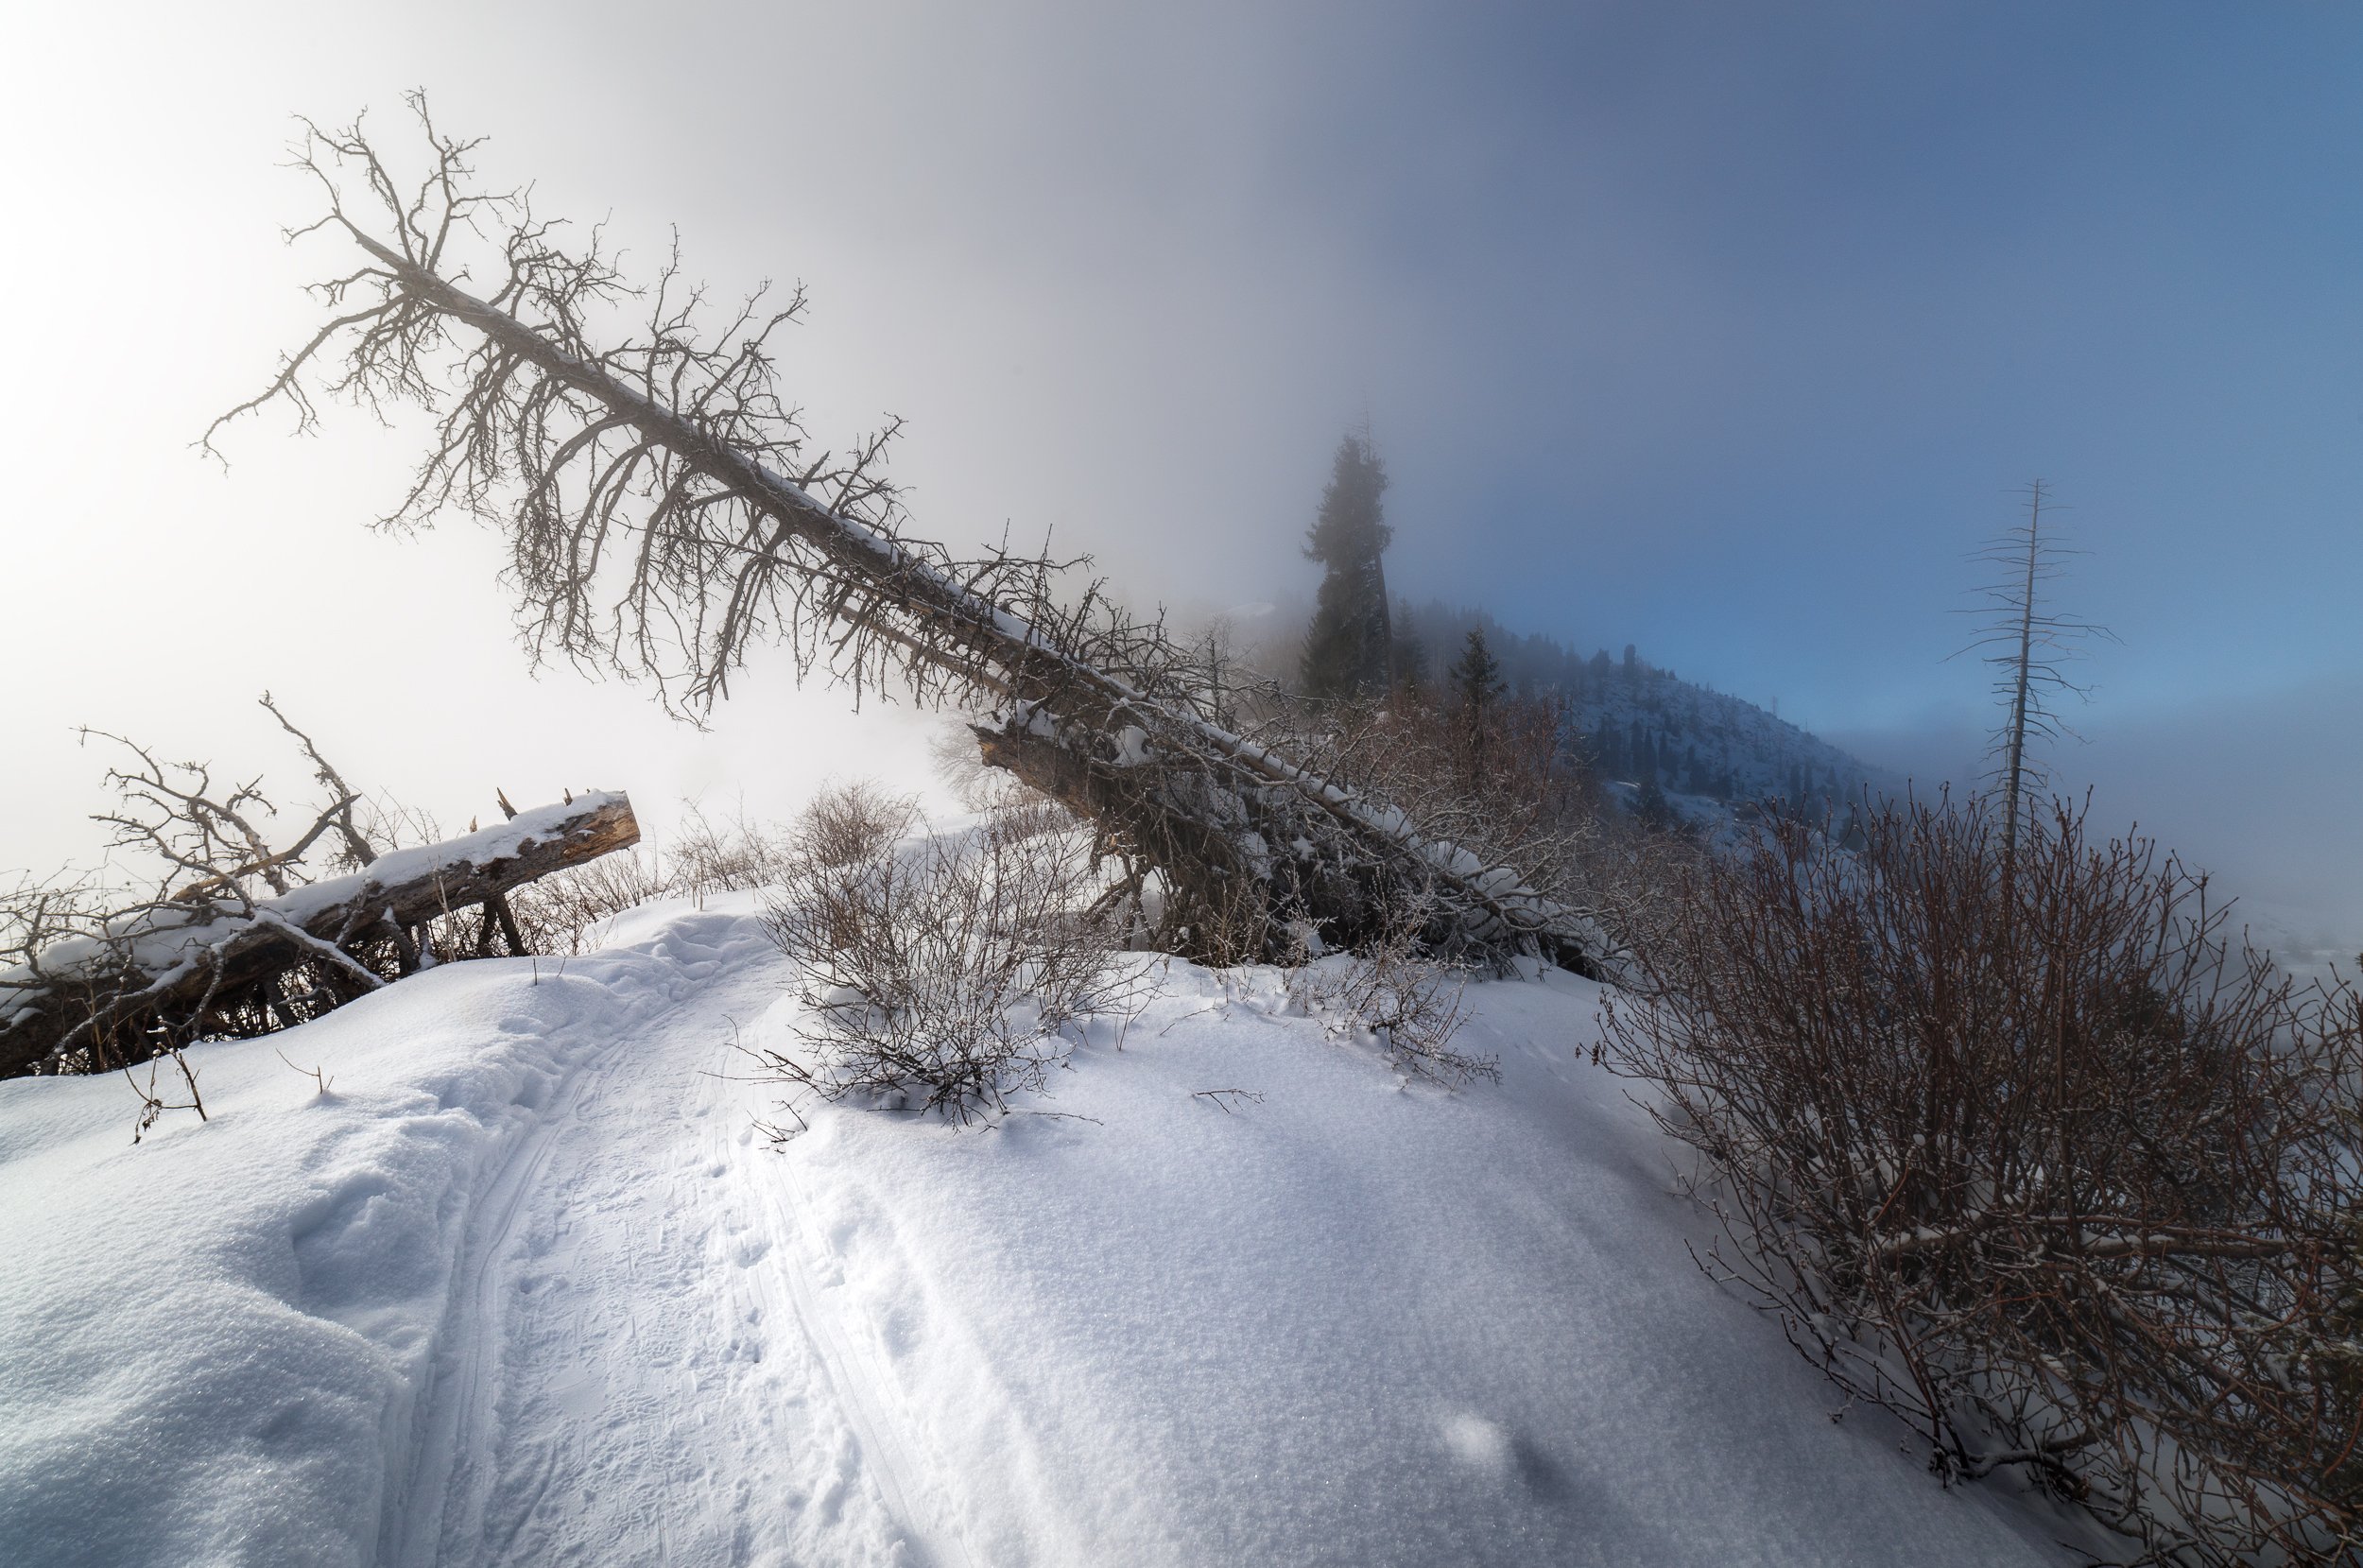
(2019, 1146)
(152, 1102)
(1506, 788)
(940, 974)
(562, 912)
(850, 824)
(318, 1075)
(1410, 1004)
(1505, 781)
(1633, 874)
(733, 856)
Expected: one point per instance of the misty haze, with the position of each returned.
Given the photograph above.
(927, 785)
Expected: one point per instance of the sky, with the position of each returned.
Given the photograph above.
(1727, 330)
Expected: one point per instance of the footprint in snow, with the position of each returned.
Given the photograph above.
(1494, 1452)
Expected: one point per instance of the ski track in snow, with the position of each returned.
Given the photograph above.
(631, 1371)
(787, 1290)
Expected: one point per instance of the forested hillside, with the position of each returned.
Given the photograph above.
(1639, 723)
(1642, 723)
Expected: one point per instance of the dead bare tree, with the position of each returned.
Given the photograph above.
(81, 981)
(172, 815)
(359, 850)
(2027, 645)
(667, 513)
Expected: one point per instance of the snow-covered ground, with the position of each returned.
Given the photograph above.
(528, 1286)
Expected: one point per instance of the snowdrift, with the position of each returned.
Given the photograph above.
(528, 1286)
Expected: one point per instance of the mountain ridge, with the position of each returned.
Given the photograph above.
(1640, 723)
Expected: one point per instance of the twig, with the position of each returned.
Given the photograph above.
(314, 1073)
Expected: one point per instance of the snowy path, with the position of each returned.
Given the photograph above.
(528, 1288)
(627, 1373)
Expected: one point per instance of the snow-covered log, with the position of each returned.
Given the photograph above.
(169, 959)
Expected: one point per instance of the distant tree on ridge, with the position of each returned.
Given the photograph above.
(1349, 647)
(1477, 689)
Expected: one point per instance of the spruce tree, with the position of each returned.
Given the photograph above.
(1476, 687)
(1477, 676)
(1349, 649)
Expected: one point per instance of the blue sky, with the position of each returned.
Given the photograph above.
(1778, 314)
(1729, 330)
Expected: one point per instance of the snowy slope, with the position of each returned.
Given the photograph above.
(529, 1288)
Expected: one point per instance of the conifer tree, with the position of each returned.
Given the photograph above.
(1476, 688)
(1477, 677)
(1349, 649)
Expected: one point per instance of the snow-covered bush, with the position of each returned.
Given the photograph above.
(1634, 874)
(939, 974)
(2017, 1145)
(1391, 992)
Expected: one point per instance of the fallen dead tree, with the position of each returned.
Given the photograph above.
(183, 967)
(665, 516)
